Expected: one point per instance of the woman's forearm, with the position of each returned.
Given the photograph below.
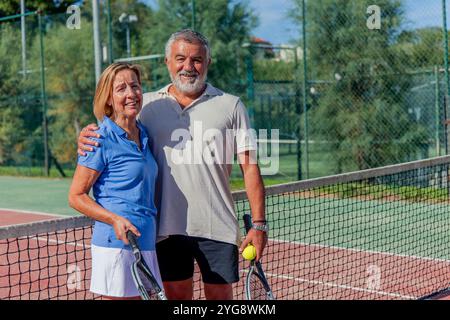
(87, 206)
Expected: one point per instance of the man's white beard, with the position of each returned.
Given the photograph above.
(188, 87)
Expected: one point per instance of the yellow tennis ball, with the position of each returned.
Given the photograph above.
(249, 252)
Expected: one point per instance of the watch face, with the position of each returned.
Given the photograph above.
(263, 227)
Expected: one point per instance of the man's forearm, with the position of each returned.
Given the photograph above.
(254, 187)
(256, 196)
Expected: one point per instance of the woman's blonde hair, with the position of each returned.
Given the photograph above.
(104, 90)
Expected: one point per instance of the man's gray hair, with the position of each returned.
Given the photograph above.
(189, 36)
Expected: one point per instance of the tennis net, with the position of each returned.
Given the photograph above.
(375, 234)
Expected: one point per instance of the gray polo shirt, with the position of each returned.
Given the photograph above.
(194, 149)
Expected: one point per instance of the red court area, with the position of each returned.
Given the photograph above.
(300, 271)
(57, 266)
(12, 217)
(47, 266)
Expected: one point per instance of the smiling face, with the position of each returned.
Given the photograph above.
(126, 98)
(188, 66)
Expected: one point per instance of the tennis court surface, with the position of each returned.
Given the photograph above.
(375, 234)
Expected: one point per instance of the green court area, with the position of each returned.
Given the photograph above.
(372, 234)
(35, 194)
(50, 194)
(395, 223)
(382, 217)
(404, 228)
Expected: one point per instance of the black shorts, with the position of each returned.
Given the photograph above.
(218, 261)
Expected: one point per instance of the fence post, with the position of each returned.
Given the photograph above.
(110, 39)
(299, 112)
(437, 113)
(43, 98)
(24, 40)
(447, 79)
(250, 88)
(193, 22)
(97, 47)
(305, 91)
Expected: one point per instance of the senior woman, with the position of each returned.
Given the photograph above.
(122, 173)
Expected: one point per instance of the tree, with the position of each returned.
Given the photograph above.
(10, 7)
(70, 84)
(13, 112)
(361, 113)
(227, 25)
(422, 49)
(70, 81)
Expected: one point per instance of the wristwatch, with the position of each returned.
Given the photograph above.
(261, 227)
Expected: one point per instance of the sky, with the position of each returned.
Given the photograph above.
(275, 27)
(278, 29)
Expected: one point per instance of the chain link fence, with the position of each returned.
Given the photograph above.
(373, 93)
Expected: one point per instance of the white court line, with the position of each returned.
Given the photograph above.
(64, 243)
(34, 212)
(328, 284)
(58, 242)
(331, 284)
(315, 282)
(360, 250)
(335, 285)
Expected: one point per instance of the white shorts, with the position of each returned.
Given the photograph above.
(111, 271)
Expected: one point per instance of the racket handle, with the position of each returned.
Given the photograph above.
(133, 242)
(247, 222)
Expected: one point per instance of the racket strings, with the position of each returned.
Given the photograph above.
(147, 285)
(256, 288)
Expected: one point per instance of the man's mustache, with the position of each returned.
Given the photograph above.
(188, 73)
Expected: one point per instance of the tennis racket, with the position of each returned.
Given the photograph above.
(141, 271)
(256, 285)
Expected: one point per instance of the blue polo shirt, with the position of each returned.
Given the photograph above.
(126, 185)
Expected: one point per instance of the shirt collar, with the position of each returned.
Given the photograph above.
(113, 126)
(209, 91)
(143, 136)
